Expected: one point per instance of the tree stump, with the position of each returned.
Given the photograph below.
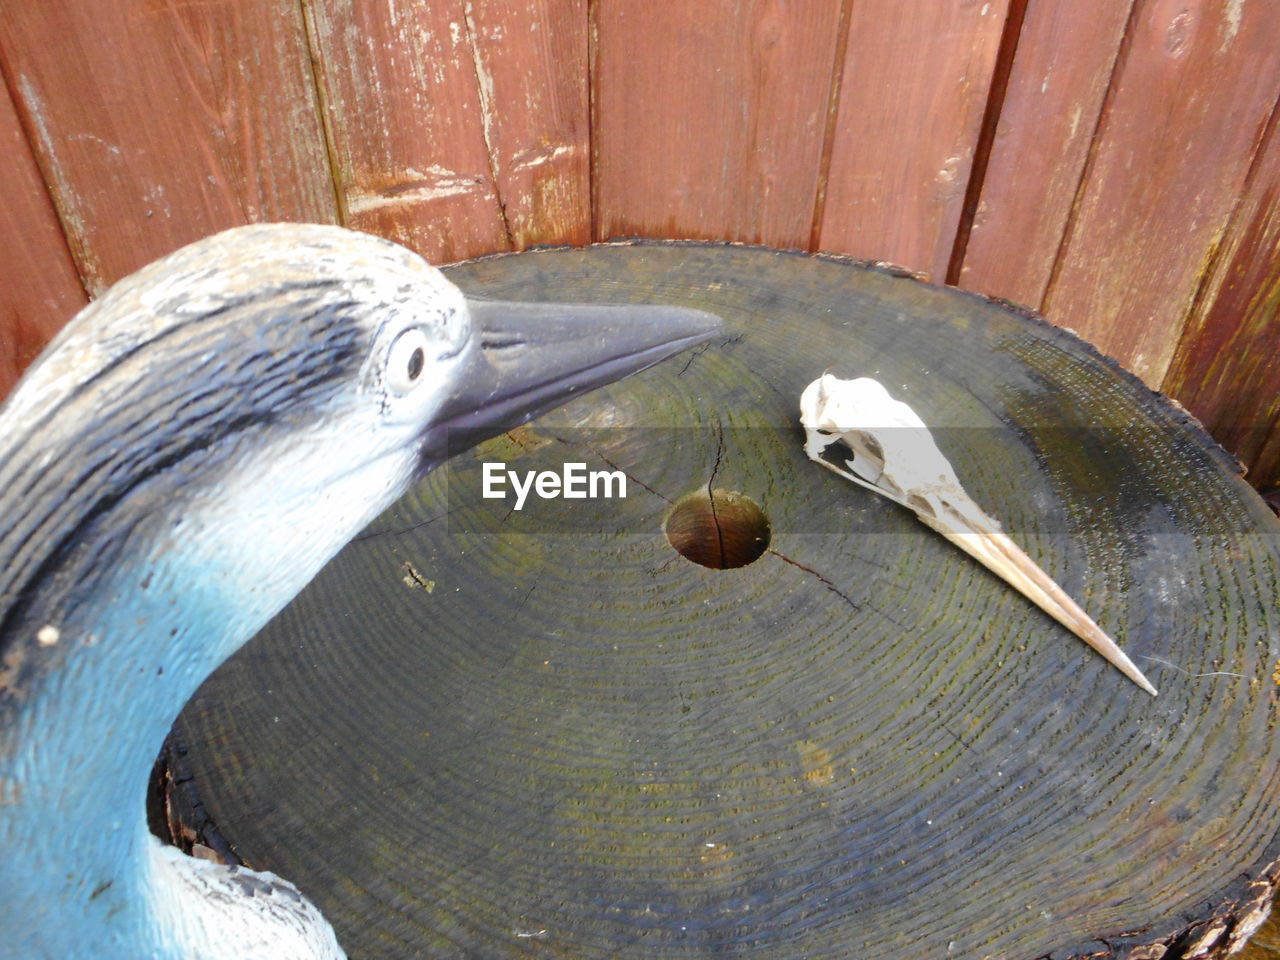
(493, 733)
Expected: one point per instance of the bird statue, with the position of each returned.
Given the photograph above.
(174, 468)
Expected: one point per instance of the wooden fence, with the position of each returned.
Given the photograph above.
(1113, 163)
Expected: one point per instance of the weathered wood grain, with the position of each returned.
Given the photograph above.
(709, 117)
(1193, 91)
(1227, 367)
(1061, 72)
(458, 128)
(531, 60)
(39, 288)
(915, 83)
(544, 733)
(159, 122)
(403, 110)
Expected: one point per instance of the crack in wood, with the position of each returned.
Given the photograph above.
(484, 93)
(611, 465)
(711, 497)
(821, 579)
(400, 531)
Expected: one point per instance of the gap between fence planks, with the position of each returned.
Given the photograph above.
(532, 63)
(458, 129)
(709, 122)
(1225, 368)
(915, 84)
(1061, 73)
(40, 287)
(156, 124)
(1192, 93)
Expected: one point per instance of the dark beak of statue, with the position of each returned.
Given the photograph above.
(527, 358)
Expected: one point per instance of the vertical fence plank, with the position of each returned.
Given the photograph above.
(1225, 370)
(39, 288)
(1060, 75)
(531, 61)
(459, 128)
(403, 103)
(916, 78)
(157, 123)
(1193, 91)
(709, 117)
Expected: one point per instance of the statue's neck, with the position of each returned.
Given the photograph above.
(76, 763)
(77, 760)
(188, 588)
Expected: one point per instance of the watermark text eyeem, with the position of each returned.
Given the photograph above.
(573, 482)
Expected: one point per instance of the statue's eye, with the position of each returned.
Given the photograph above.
(406, 360)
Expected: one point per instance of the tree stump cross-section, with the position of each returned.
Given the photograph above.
(548, 732)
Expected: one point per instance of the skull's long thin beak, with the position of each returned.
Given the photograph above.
(998, 553)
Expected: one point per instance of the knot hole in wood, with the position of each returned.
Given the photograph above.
(720, 529)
